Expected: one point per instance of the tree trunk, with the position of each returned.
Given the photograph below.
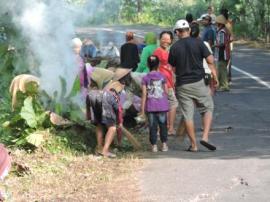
(267, 38)
(262, 12)
(139, 6)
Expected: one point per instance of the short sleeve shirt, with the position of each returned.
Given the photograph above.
(187, 55)
(156, 98)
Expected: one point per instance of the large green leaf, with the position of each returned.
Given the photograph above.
(35, 138)
(58, 108)
(28, 113)
(63, 87)
(41, 118)
(75, 88)
(19, 141)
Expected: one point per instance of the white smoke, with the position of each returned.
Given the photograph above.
(49, 26)
(51, 32)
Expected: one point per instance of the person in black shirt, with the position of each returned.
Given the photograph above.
(186, 56)
(129, 54)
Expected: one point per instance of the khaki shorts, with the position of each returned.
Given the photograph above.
(194, 95)
(173, 102)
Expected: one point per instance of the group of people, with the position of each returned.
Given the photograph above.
(217, 32)
(182, 74)
(174, 74)
(100, 88)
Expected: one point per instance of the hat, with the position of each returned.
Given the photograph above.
(120, 73)
(101, 76)
(205, 16)
(116, 85)
(221, 20)
(112, 69)
(181, 24)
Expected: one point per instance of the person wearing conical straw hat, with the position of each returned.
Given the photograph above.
(101, 77)
(104, 110)
(122, 75)
(222, 52)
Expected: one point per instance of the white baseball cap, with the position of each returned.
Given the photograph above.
(181, 24)
(204, 16)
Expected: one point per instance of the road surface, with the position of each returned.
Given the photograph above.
(240, 168)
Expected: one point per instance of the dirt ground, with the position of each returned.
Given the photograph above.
(45, 177)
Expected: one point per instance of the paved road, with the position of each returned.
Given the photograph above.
(240, 168)
(102, 35)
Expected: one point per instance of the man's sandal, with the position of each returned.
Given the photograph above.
(208, 145)
(191, 150)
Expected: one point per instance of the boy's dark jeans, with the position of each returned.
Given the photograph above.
(157, 119)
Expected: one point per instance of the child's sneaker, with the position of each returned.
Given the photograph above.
(164, 147)
(154, 148)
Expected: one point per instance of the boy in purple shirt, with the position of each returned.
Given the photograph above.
(155, 103)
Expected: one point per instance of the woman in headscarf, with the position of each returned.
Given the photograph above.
(84, 71)
(151, 45)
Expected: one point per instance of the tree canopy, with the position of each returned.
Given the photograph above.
(251, 18)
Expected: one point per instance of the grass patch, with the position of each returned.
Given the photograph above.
(64, 169)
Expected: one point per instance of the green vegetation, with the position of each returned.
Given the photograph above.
(29, 121)
(27, 124)
(251, 18)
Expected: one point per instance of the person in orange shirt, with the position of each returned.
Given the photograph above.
(162, 52)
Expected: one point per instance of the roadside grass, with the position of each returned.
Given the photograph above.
(65, 169)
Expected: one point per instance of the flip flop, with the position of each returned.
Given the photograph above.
(208, 145)
(191, 150)
(109, 155)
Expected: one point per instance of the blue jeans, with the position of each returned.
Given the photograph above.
(157, 119)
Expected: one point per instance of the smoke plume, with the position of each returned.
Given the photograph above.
(49, 26)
